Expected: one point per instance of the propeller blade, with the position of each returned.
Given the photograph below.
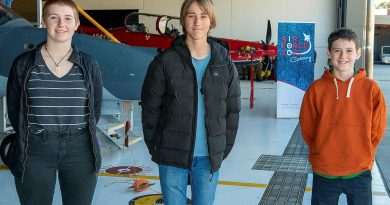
(265, 45)
(269, 33)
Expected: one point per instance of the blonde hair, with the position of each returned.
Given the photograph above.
(206, 5)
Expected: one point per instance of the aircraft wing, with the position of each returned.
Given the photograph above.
(123, 67)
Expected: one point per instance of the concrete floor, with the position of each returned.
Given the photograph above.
(260, 133)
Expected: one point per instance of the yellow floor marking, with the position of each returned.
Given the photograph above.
(104, 174)
(244, 184)
(227, 183)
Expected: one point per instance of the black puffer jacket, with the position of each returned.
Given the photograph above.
(169, 105)
(17, 103)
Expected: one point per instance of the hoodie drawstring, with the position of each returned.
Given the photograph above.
(337, 88)
(349, 87)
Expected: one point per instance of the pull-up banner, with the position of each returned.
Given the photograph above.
(294, 67)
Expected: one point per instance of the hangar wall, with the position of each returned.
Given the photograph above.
(110, 5)
(246, 19)
(356, 20)
(249, 21)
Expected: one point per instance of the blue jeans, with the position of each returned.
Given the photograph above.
(357, 189)
(68, 155)
(174, 180)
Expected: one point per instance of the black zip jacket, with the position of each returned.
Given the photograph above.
(17, 103)
(169, 105)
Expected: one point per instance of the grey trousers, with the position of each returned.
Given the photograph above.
(68, 155)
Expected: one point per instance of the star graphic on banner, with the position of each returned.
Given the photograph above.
(307, 37)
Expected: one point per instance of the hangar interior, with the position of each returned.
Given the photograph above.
(268, 164)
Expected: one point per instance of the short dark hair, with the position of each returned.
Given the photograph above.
(69, 3)
(343, 33)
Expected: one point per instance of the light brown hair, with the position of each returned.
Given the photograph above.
(205, 5)
(69, 3)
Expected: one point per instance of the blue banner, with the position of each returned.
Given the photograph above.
(294, 67)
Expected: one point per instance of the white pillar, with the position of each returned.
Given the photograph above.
(39, 13)
(3, 116)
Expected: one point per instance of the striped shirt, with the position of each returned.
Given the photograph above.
(57, 104)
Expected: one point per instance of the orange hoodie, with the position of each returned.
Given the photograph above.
(342, 123)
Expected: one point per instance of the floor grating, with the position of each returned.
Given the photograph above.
(287, 184)
(287, 188)
(283, 164)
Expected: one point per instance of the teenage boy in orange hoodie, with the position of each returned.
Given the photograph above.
(343, 119)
